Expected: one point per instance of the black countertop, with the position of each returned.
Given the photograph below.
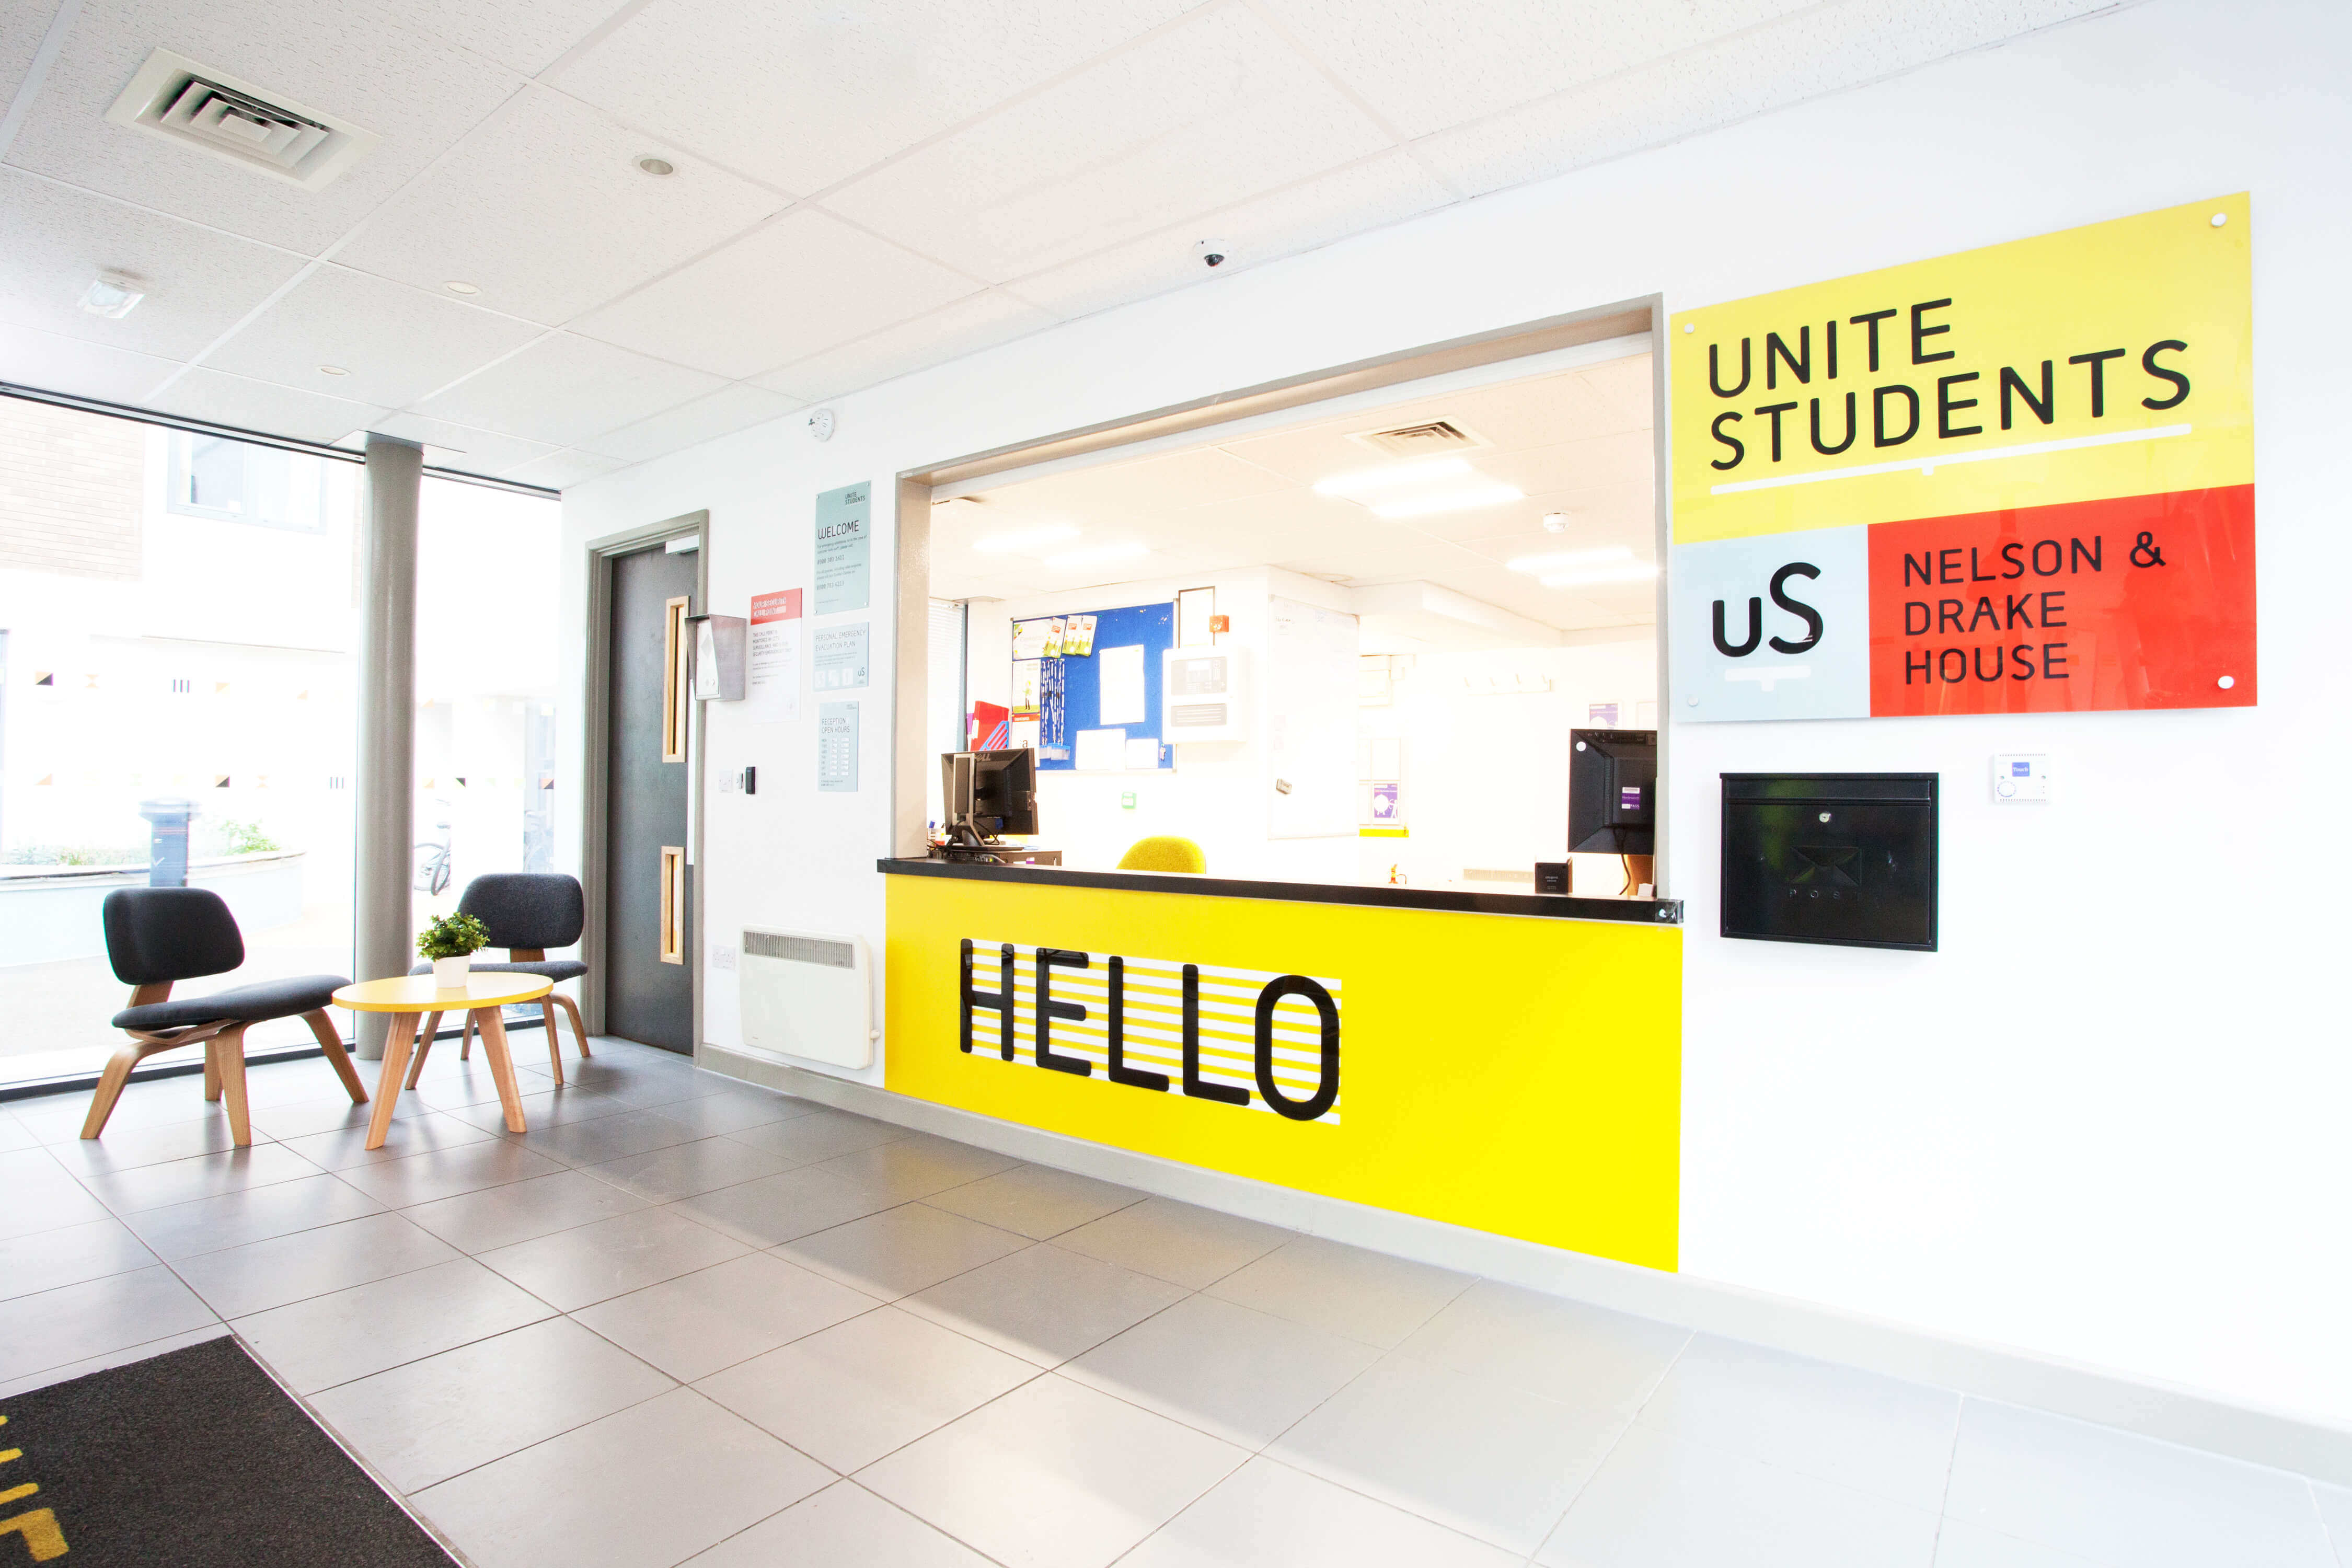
(1631, 911)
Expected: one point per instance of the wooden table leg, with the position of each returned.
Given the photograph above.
(395, 1065)
(494, 1045)
(424, 1046)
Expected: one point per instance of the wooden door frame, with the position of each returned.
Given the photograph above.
(596, 869)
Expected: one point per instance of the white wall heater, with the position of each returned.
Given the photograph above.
(808, 994)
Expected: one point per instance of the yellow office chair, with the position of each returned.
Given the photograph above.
(1161, 853)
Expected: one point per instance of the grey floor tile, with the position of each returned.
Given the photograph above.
(1053, 1475)
(698, 1323)
(1194, 1247)
(67, 1256)
(1347, 1291)
(415, 1130)
(173, 1182)
(541, 1109)
(431, 1419)
(2113, 1497)
(1267, 1515)
(1235, 1373)
(129, 1148)
(785, 1206)
(328, 1340)
(821, 1134)
(1877, 1434)
(1959, 1544)
(902, 1250)
(736, 1107)
(502, 1216)
(2336, 1513)
(15, 1135)
(322, 1112)
(1588, 1355)
(916, 1165)
(255, 1214)
(1471, 1454)
(701, 1472)
(1042, 1304)
(844, 1526)
(683, 1170)
(448, 1084)
(445, 1172)
(615, 1137)
(592, 1262)
(241, 1280)
(1036, 1201)
(1660, 1499)
(867, 1387)
(11, 1387)
(94, 1317)
(42, 1195)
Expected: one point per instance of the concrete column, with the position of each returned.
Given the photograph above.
(383, 945)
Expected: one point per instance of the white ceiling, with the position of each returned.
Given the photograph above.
(1576, 443)
(862, 187)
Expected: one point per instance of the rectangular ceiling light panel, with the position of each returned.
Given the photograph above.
(200, 107)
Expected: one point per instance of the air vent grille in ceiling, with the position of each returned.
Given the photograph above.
(205, 107)
(1412, 440)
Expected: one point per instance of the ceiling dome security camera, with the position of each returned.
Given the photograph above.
(1211, 252)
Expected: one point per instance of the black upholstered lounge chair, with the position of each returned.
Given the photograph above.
(156, 936)
(526, 912)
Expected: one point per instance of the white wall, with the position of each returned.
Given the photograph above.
(2107, 1123)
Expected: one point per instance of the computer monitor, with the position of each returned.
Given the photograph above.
(987, 794)
(1613, 792)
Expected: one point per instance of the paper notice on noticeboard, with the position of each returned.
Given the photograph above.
(1120, 677)
(772, 695)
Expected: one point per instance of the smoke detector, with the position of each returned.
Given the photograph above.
(1413, 440)
(199, 106)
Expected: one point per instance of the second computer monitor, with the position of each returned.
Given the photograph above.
(991, 792)
(1612, 788)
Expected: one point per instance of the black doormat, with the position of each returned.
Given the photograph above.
(194, 1459)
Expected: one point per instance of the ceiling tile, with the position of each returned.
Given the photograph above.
(398, 344)
(342, 58)
(55, 239)
(977, 321)
(732, 408)
(544, 210)
(55, 363)
(807, 92)
(803, 283)
(451, 446)
(1201, 115)
(563, 469)
(525, 35)
(22, 28)
(264, 405)
(1379, 190)
(1820, 49)
(1426, 66)
(562, 389)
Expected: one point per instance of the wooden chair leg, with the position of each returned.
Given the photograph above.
(466, 1040)
(109, 1088)
(332, 1044)
(226, 1050)
(554, 1040)
(579, 1034)
(423, 1047)
(212, 1078)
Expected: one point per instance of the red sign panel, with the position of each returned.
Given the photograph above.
(2139, 602)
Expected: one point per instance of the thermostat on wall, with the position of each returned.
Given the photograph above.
(2017, 776)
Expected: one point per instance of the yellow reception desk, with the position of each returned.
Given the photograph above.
(1508, 1062)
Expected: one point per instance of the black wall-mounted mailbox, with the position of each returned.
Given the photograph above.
(1845, 858)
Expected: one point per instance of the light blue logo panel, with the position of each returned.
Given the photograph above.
(1776, 626)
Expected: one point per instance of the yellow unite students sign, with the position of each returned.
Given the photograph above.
(2012, 479)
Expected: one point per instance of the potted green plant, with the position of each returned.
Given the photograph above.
(450, 941)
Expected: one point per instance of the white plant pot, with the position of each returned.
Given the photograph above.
(449, 974)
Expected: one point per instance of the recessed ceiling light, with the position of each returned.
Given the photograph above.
(1395, 476)
(1420, 488)
(656, 166)
(1555, 522)
(457, 288)
(113, 295)
(1024, 541)
(1100, 555)
(1564, 558)
(333, 370)
(1638, 572)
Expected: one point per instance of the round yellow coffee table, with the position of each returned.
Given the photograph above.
(409, 998)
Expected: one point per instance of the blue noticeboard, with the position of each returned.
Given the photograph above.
(1153, 626)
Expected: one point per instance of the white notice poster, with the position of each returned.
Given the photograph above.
(1101, 751)
(1120, 674)
(773, 693)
